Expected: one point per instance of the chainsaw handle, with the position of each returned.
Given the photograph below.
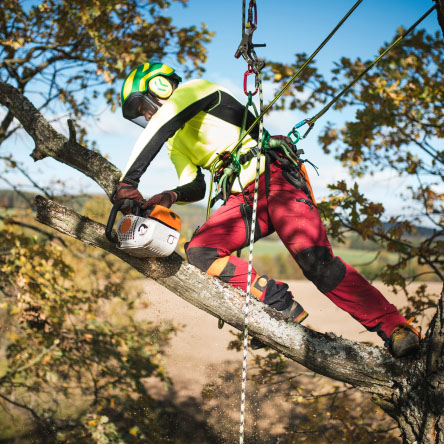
(111, 219)
(132, 206)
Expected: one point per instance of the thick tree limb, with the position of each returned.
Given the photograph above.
(48, 142)
(363, 366)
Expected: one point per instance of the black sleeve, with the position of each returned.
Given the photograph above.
(192, 191)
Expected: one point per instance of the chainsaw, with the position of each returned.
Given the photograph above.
(150, 232)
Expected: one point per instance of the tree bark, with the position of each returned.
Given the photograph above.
(411, 390)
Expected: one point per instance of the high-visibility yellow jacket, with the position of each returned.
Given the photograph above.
(198, 121)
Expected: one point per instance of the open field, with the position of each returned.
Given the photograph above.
(197, 357)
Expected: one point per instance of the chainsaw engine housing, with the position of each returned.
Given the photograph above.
(153, 236)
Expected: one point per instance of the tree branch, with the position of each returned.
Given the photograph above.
(48, 142)
(23, 406)
(365, 367)
(50, 236)
(30, 364)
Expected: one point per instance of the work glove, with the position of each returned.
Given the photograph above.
(129, 193)
(126, 191)
(165, 198)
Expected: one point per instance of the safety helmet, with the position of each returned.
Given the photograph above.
(143, 87)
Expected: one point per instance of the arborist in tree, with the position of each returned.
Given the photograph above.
(201, 123)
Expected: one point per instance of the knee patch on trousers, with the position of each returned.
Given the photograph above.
(321, 267)
(207, 259)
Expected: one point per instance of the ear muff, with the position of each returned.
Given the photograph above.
(161, 87)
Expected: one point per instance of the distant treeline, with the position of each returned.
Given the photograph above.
(13, 199)
(192, 215)
(10, 199)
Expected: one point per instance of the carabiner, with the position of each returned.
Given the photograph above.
(294, 133)
(252, 15)
(302, 123)
(248, 72)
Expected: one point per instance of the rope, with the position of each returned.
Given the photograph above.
(250, 266)
(259, 119)
(253, 65)
(298, 72)
(312, 121)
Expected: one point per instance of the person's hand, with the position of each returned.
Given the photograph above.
(129, 194)
(165, 198)
(126, 191)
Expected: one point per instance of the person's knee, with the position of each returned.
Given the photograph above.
(202, 257)
(321, 267)
(208, 259)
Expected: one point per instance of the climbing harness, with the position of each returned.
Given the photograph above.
(228, 165)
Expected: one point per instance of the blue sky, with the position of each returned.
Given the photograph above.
(286, 27)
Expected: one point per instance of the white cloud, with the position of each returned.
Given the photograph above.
(235, 88)
(114, 124)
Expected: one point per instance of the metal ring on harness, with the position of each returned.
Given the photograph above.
(294, 133)
(248, 72)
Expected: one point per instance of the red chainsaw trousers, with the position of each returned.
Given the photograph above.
(289, 211)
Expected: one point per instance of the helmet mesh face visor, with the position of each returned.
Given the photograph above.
(137, 105)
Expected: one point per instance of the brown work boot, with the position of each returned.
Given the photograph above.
(294, 313)
(404, 340)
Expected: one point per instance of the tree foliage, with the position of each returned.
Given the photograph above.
(65, 55)
(60, 300)
(67, 339)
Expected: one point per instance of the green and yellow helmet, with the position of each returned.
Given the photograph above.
(144, 86)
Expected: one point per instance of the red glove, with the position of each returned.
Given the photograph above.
(126, 191)
(165, 198)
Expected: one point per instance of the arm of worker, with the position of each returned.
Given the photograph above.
(191, 179)
(192, 191)
(162, 126)
(182, 106)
